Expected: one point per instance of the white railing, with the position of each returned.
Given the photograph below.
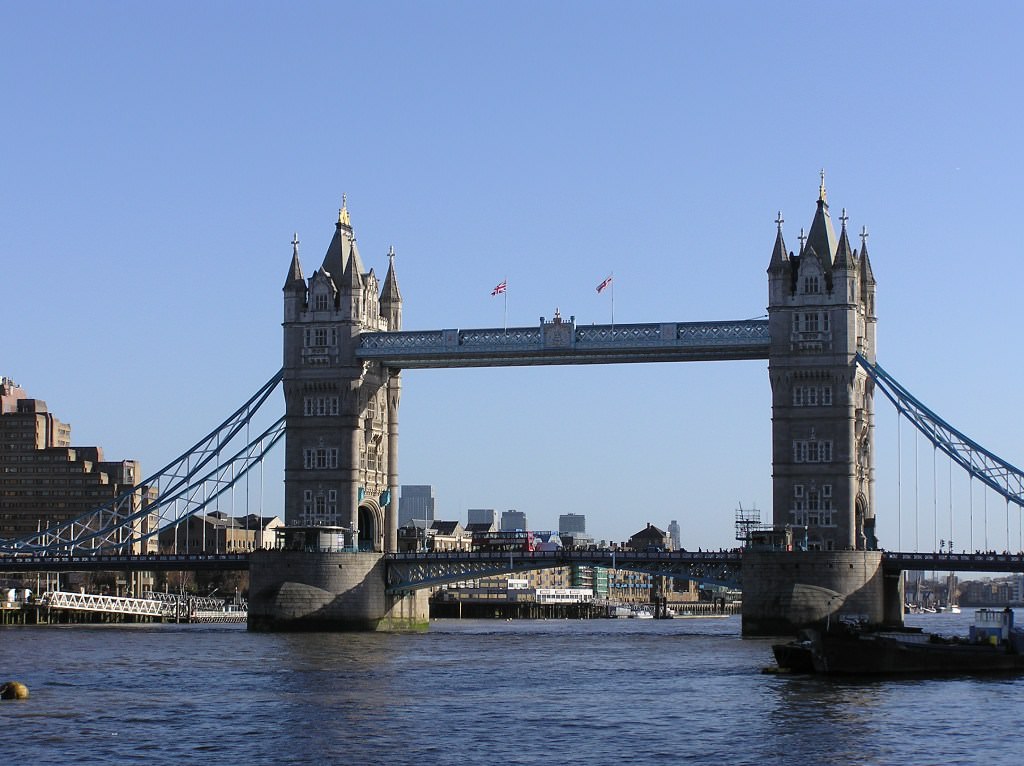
(87, 602)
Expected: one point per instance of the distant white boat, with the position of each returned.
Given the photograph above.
(641, 614)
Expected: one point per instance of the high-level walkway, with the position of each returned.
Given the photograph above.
(565, 342)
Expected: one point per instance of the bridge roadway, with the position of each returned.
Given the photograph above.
(411, 571)
(115, 562)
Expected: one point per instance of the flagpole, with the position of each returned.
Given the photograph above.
(612, 277)
(504, 294)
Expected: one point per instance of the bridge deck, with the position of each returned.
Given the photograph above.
(169, 562)
(660, 562)
(567, 343)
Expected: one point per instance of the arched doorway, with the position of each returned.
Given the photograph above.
(371, 526)
(866, 538)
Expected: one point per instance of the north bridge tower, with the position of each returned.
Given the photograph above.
(341, 453)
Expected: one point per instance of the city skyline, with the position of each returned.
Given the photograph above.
(162, 166)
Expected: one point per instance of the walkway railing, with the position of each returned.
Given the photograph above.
(87, 602)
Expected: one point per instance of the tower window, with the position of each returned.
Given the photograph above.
(320, 458)
(321, 302)
(812, 285)
(812, 451)
(810, 321)
(812, 396)
(320, 405)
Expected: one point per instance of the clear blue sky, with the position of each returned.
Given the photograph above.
(158, 156)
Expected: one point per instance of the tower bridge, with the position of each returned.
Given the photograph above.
(345, 353)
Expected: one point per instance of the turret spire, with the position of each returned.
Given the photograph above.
(822, 237)
(295, 277)
(844, 255)
(343, 219)
(867, 276)
(338, 252)
(780, 261)
(390, 297)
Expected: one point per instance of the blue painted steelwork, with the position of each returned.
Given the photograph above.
(563, 342)
(953, 562)
(988, 468)
(167, 562)
(188, 485)
(412, 571)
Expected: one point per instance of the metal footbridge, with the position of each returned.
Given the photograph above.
(157, 605)
(565, 342)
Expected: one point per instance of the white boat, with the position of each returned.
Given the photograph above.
(641, 614)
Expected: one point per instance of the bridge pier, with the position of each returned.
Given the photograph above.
(299, 590)
(784, 591)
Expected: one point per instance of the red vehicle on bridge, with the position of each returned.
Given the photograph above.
(518, 541)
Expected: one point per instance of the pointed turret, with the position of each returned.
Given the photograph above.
(337, 255)
(822, 237)
(779, 263)
(295, 277)
(352, 280)
(867, 276)
(354, 261)
(390, 297)
(294, 286)
(844, 256)
(780, 269)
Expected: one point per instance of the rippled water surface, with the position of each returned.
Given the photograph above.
(480, 692)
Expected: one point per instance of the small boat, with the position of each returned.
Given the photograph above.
(994, 645)
(641, 614)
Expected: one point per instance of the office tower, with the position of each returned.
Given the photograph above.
(512, 520)
(416, 503)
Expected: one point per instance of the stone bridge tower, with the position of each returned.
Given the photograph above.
(821, 309)
(341, 443)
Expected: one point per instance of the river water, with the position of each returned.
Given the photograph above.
(480, 692)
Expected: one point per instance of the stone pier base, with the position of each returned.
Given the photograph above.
(296, 590)
(784, 591)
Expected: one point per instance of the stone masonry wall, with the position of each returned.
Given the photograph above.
(295, 590)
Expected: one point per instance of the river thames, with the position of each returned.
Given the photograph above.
(480, 692)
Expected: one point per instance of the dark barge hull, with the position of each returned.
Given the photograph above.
(885, 655)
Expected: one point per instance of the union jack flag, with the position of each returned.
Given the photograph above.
(501, 287)
(603, 285)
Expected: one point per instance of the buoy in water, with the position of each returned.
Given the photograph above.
(13, 690)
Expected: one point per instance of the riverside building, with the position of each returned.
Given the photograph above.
(45, 481)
